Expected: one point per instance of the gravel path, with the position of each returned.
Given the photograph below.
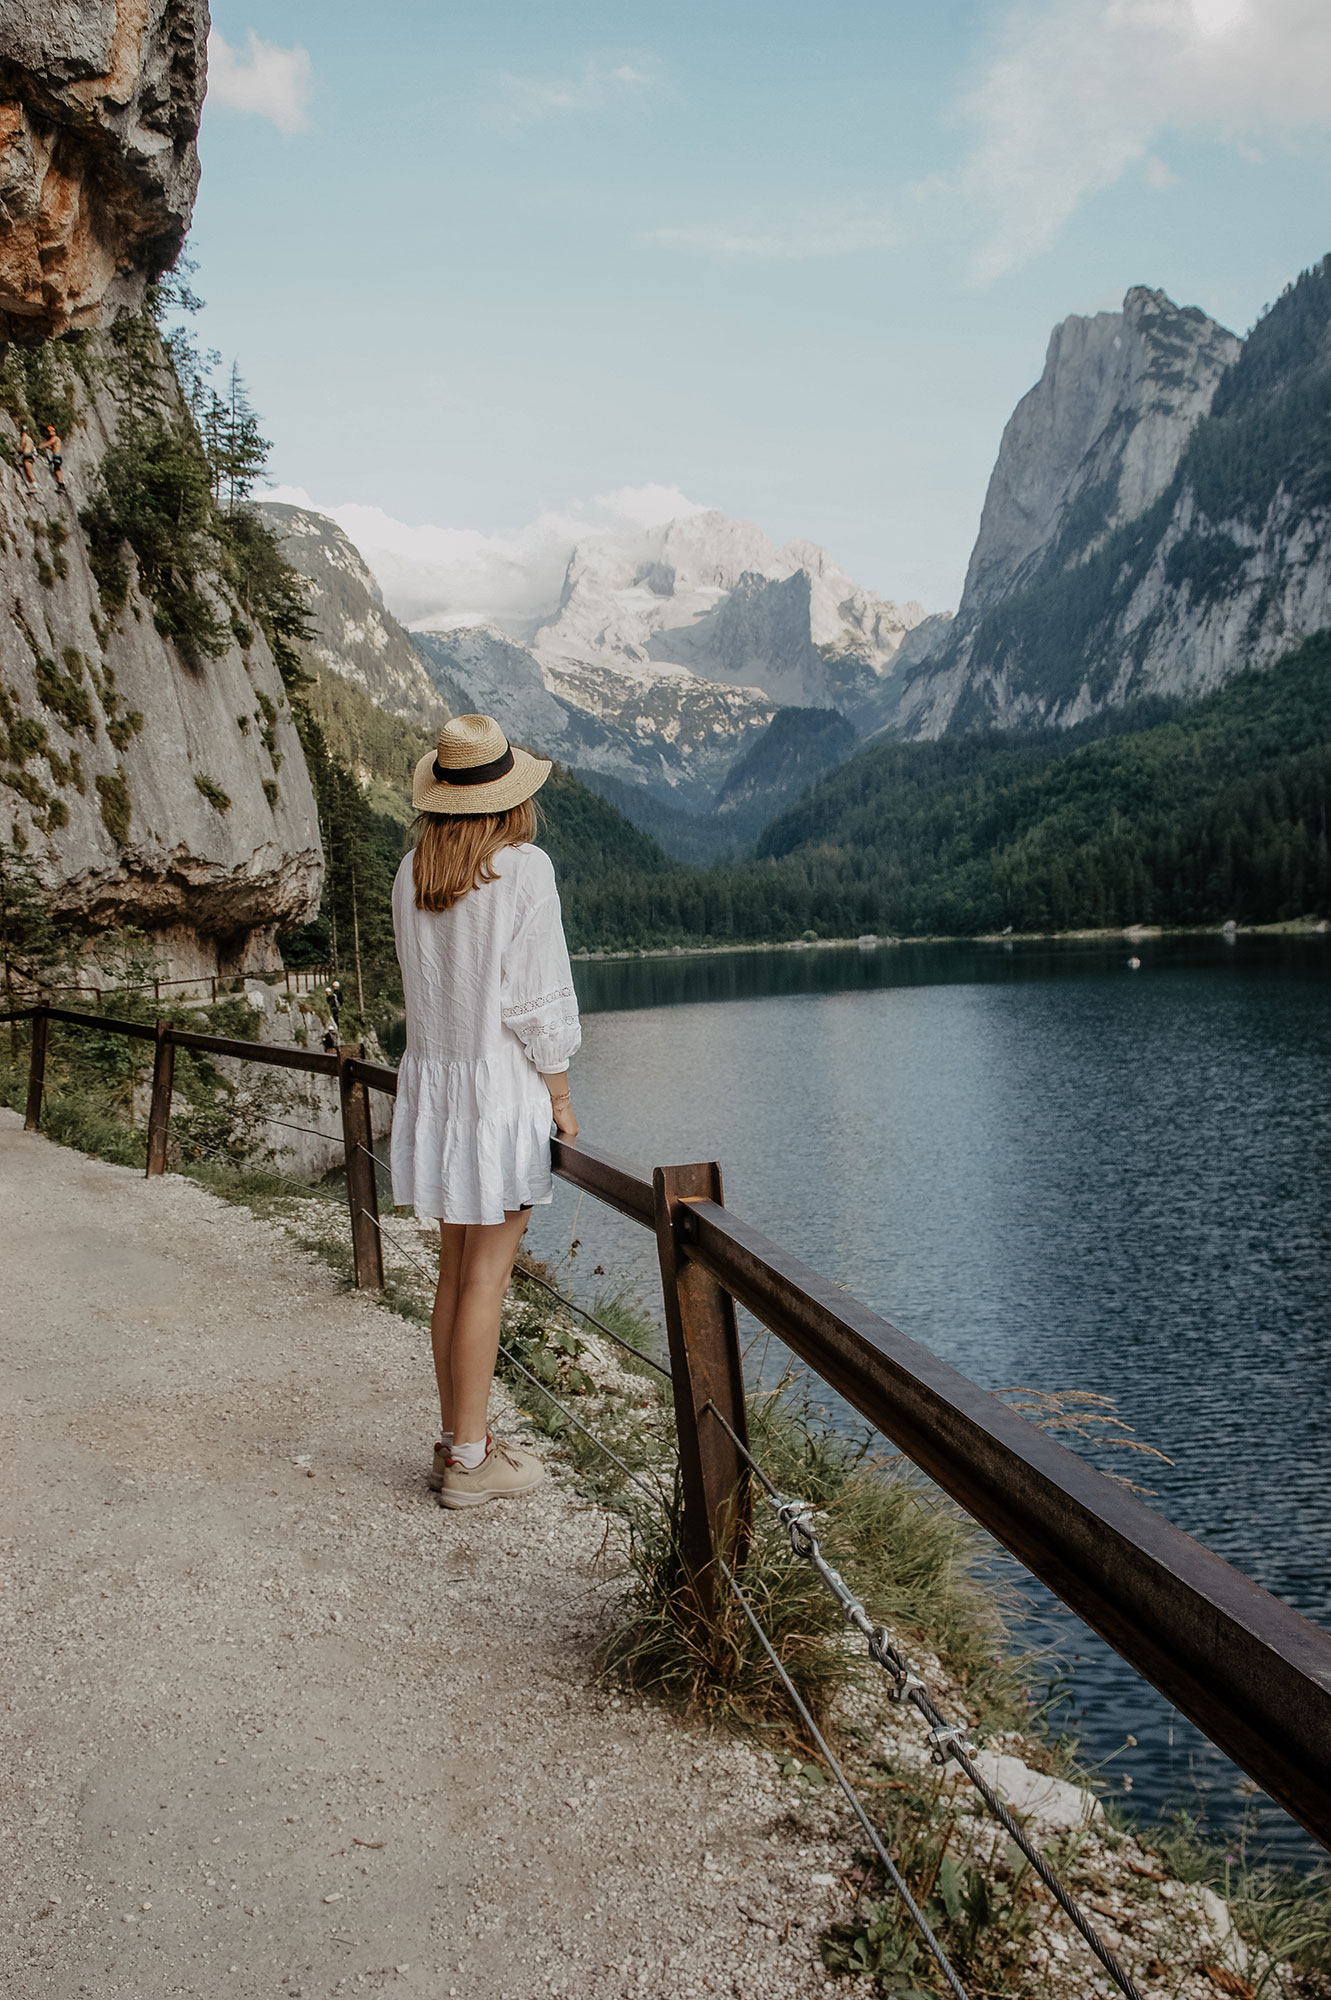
(276, 1722)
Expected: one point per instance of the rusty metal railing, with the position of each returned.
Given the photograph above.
(1252, 1673)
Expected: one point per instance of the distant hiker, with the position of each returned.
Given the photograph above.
(28, 451)
(330, 1041)
(335, 1000)
(491, 1024)
(50, 444)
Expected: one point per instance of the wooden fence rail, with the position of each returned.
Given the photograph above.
(1246, 1668)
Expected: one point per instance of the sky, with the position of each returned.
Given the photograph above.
(500, 275)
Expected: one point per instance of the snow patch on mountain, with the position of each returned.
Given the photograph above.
(716, 596)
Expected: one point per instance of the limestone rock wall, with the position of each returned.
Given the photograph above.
(1098, 438)
(99, 115)
(1159, 520)
(150, 789)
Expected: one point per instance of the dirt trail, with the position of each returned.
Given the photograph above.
(273, 1729)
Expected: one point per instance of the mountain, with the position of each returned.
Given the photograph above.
(798, 746)
(355, 635)
(668, 652)
(1162, 811)
(714, 596)
(1159, 518)
(98, 156)
(662, 729)
(1158, 812)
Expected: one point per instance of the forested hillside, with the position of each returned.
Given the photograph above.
(1158, 813)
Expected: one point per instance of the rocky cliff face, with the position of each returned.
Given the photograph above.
(355, 636)
(152, 786)
(99, 113)
(1158, 520)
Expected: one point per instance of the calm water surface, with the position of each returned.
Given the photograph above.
(1056, 1172)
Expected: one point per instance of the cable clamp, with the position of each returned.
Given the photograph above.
(944, 1743)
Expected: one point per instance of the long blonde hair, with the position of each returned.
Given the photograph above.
(455, 851)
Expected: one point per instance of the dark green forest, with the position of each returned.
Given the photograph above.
(1156, 813)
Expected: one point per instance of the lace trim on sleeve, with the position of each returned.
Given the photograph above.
(534, 1006)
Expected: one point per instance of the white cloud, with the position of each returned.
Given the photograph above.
(1077, 91)
(436, 578)
(604, 83)
(271, 82)
(1068, 95)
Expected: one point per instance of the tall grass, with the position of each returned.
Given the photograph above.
(908, 1554)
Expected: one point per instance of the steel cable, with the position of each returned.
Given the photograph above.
(287, 1126)
(307, 1189)
(361, 1147)
(531, 1278)
(945, 1738)
(894, 1875)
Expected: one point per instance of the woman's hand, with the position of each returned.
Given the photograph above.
(566, 1121)
(561, 1104)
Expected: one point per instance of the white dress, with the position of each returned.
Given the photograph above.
(490, 1006)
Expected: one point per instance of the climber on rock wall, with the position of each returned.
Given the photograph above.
(50, 444)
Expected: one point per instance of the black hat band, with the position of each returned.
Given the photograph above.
(475, 774)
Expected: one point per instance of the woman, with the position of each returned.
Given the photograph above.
(491, 1024)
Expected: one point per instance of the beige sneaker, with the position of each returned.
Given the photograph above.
(504, 1473)
(434, 1478)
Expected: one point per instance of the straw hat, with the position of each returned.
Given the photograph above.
(475, 769)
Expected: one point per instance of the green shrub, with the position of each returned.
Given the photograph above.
(122, 729)
(212, 791)
(117, 806)
(37, 386)
(66, 694)
(67, 771)
(21, 736)
(156, 497)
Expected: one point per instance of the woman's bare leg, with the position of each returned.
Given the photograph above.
(452, 1246)
(486, 1267)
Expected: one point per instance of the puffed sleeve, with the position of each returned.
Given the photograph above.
(536, 987)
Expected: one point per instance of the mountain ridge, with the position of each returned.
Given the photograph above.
(1169, 585)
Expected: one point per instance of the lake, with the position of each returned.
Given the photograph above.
(1054, 1170)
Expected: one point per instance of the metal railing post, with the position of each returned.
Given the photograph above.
(36, 1071)
(362, 1193)
(159, 1111)
(706, 1368)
